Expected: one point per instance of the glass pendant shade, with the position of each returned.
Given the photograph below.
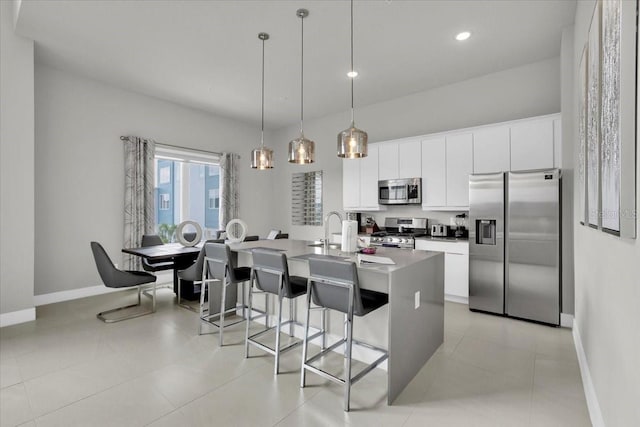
(352, 143)
(262, 158)
(302, 151)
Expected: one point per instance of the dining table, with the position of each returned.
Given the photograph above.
(181, 256)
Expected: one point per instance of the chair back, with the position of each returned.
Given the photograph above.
(105, 266)
(331, 283)
(217, 259)
(151, 240)
(194, 272)
(266, 265)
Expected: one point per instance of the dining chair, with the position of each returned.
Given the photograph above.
(154, 266)
(115, 278)
(192, 274)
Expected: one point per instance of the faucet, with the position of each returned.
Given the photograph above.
(326, 228)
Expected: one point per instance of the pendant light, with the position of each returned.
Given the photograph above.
(352, 142)
(302, 150)
(262, 157)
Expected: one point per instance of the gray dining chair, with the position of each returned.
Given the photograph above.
(192, 274)
(219, 266)
(115, 278)
(151, 266)
(334, 285)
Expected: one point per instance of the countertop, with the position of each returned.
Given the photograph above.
(444, 239)
(402, 258)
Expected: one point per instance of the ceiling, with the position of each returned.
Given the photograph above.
(206, 54)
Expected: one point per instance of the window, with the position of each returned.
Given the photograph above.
(164, 202)
(306, 198)
(214, 198)
(164, 175)
(187, 188)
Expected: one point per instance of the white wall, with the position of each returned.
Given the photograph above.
(79, 168)
(16, 172)
(566, 65)
(607, 277)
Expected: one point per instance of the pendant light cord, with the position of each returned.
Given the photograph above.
(262, 126)
(352, 78)
(302, 75)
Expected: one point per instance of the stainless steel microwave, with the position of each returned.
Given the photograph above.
(406, 191)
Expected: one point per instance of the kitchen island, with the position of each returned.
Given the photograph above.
(411, 326)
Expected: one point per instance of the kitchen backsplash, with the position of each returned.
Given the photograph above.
(435, 217)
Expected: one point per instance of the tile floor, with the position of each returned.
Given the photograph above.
(70, 369)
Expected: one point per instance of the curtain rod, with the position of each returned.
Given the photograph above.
(126, 138)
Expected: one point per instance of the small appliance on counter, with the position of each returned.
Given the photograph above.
(439, 230)
(461, 231)
(400, 232)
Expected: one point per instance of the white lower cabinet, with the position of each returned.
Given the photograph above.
(456, 265)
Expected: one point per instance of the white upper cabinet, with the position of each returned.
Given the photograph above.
(409, 159)
(388, 161)
(434, 175)
(557, 143)
(491, 149)
(369, 179)
(400, 159)
(459, 167)
(532, 144)
(351, 183)
(360, 182)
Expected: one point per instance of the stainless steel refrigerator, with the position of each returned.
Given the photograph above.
(515, 244)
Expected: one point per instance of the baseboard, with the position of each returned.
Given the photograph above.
(89, 291)
(589, 390)
(455, 298)
(72, 294)
(566, 320)
(16, 317)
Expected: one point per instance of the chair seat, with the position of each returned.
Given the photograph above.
(157, 266)
(242, 274)
(372, 300)
(298, 286)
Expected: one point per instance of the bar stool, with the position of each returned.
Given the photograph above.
(334, 285)
(218, 266)
(270, 274)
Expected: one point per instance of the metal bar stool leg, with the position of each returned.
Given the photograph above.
(306, 335)
(292, 317)
(348, 348)
(222, 309)
(278, 326)
(246, 339)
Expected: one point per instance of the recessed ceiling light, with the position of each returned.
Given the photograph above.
(352, 74)
(463, 36)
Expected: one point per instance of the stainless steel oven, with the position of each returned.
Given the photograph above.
(406, 191)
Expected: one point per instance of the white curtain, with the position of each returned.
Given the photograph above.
(228, 188)
(138, 195)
